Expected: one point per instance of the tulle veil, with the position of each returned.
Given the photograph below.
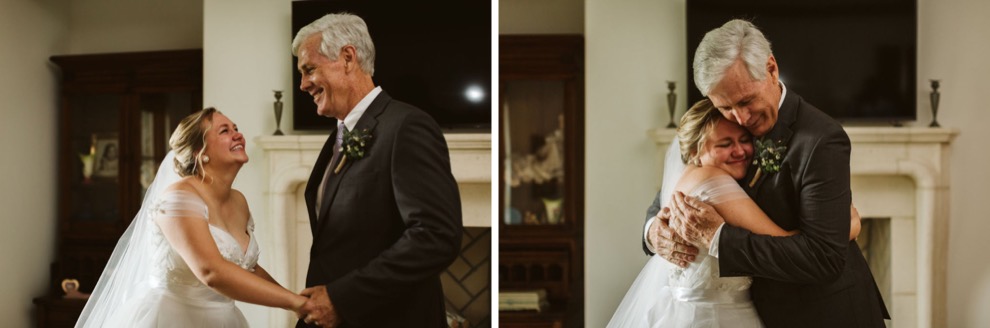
(126, 276)
(645, 292)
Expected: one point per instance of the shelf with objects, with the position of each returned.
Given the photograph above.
(116, 112)
(541, 199)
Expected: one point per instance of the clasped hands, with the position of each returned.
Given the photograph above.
(317, 310)
(681, 229)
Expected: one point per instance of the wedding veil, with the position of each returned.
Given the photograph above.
(636, 308)
(673, 168)
(126, 277)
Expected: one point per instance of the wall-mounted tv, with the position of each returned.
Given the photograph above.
(435, 55)
(853, 59)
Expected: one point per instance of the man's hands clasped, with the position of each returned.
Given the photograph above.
(318, 310)
(680, 230)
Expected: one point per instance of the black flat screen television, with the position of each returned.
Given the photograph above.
(435, 55)
(853, 59)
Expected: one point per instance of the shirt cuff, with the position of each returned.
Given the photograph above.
(646, 235)
(713, 248)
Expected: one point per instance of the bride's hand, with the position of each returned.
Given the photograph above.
(298, 308)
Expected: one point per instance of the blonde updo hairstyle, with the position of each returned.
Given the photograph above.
(696, 125)
(189, 142)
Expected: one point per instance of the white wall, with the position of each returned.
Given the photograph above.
(540, 17)
(954, 47)
(632, 48)
(102, 26)
(28, 137)
(247, 54)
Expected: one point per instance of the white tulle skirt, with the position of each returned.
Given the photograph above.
(167, 309)
(650, 302)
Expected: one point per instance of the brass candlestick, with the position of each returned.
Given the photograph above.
(671, 101)
(278, 112)
(934, 96)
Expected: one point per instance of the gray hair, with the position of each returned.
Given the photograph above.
(339, 30)
(720, 48)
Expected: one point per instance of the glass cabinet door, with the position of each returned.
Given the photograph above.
(534, 158)
(95, 144)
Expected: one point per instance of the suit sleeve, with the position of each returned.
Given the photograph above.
(650, 213)
(817, 254)
(428, 201)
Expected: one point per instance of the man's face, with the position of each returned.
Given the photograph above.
(323, 79)
(751, 103)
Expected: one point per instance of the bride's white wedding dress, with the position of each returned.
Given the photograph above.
(176, 298)
(665, 295)
(147, 284)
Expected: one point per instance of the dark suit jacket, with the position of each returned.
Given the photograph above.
(817, 278)
(392, 223)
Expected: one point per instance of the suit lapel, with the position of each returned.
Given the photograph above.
(368, 121)
(781, 134)
(316, 178)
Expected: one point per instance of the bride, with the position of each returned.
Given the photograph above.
(191, 250)
(717, 153)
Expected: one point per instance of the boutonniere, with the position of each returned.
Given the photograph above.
(769, 155)
(354, 144)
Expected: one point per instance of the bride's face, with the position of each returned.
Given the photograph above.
(224, 143)
(729, 147)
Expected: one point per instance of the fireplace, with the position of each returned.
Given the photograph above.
(900, 184)
(289, 161)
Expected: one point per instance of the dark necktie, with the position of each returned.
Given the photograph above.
(330, 166)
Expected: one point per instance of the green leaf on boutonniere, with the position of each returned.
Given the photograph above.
(354, 145)
(768, 157)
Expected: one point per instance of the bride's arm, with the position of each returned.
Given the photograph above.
(260, 272)
(744, 213)
(190, 237)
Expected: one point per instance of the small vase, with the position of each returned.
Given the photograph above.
(278, 112)
(553, 208)
(87, 160)
(671, 102)
(934, 96)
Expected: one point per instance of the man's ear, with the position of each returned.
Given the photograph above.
(349, 55)
(772, 67)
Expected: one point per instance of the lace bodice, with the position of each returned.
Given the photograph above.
(169, 270)
(703, 273)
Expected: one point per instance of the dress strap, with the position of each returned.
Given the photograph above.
(180, 203)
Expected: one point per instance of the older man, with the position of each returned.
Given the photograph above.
(817, 278)
(383, 205)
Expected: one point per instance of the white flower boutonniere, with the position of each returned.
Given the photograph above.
(354, 144)
(769, 155)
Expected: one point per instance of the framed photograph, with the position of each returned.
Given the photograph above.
(107, 156)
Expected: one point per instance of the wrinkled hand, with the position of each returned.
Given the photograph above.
(667, 244)
(694, 220)
(319, 310)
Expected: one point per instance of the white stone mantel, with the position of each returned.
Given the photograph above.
(289, 161)
(919, 210)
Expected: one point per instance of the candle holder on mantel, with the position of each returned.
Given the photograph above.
(934, 98)
(671, 102)
(278, 112)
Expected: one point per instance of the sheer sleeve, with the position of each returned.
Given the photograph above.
(179, 203)
(718, 189)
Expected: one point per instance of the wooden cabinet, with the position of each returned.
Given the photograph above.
(541, 152)
(116, 114)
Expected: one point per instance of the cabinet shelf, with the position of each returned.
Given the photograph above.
(542, 154)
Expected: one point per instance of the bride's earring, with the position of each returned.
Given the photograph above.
(206, 159)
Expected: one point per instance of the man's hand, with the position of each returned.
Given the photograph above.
(694, 220)
(667, 243)
(319, 309)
